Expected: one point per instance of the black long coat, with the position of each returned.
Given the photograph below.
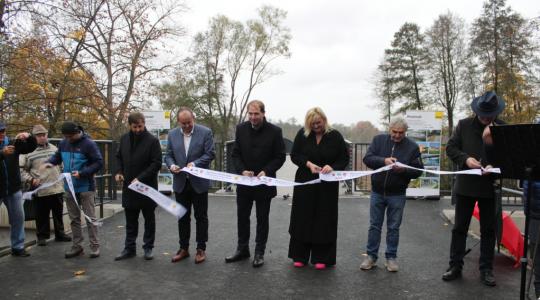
(141, 159)
(466, 141)
(258, 150)
(314, 214)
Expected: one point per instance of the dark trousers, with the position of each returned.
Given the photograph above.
(319, 253)
(464, 211)
(534, 248)
(244, 205)
(132, 227)
(187, 198)
(44, 206)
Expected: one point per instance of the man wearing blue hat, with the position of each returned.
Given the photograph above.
(467, 149)
(10, 184)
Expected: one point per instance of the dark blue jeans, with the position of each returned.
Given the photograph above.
(393, 206)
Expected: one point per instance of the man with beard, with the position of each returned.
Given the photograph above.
(138, 159)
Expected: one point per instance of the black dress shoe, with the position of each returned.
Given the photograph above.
(487, 278)
(451, 274)
(148, 254)
(238, 256)
(258, 260)
(125, 254)
(62, 238)
(19, 253)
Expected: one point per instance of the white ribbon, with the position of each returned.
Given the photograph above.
(348, 175)
(179, 211)
(240, 179)
(332, 176)
(465, 172)
(28, 195)
(69, 181)
(165, 202)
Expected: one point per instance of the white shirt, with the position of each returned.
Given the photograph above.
(187, 140)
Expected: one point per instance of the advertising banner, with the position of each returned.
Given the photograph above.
(425, 129)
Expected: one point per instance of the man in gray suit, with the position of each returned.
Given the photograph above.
(189, 145)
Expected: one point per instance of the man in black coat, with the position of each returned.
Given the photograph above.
(10, 184)
(138, 159)
(258, 151)
(467, 149)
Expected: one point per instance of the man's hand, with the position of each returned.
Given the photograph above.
(248, 173)
(486, 135)
(484, 170)
(313, 167)
(398, 169)
(8, 150)
(261, 174)
(190, 165)
(326, 169)
(36, 182)
(119, 178)
(472, 163)
(135, 180)
(76, 174)
(389, 160)
(175, 169)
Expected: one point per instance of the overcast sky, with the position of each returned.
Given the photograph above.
(336, 46)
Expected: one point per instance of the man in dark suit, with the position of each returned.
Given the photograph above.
(469, 150)
(258, 151)
(189, 145)
(138, 159)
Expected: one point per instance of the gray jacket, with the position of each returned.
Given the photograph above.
(201, 152)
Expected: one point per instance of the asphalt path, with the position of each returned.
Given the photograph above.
(422, 256)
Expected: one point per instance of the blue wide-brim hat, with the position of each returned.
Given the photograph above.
(488, 105)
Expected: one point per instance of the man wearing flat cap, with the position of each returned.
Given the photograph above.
(48, 199)
(467, 149)
(81, 157)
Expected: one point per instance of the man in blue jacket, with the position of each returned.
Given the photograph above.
(388, 189)
(81, 157)
(10, 184)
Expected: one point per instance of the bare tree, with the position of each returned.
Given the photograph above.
(118, 42)
(229, 60)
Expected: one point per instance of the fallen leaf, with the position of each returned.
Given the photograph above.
(80, 272)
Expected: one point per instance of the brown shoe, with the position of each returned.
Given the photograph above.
(200, 256)
(181, 254)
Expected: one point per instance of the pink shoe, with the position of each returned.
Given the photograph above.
(320, 266)
(298, 264)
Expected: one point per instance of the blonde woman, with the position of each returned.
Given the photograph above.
(317, 149)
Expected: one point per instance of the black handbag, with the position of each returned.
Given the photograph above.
(30, 209)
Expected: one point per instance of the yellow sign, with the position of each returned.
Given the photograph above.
(439, 115)
(167, 114)
(1, 93)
